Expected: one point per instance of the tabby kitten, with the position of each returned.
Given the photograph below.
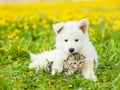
(73, 64)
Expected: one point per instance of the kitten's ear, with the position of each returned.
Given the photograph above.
(82, 57)
(71, 58)
(83, 25)
(58, 27)
(66, 60)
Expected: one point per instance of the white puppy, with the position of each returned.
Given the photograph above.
(71, 37)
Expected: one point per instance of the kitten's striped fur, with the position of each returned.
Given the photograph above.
(73, 64)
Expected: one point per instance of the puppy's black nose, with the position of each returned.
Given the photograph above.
(71, 50)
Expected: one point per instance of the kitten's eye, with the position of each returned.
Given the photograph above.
(80, 62)
(76, 40)
(74, 62)
(66, 40)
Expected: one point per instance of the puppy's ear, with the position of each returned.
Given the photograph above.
(58, 27)
(83, 25)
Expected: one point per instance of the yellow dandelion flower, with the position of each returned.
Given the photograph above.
(46, 26)
(10, 37)
(95, 22)
(13, 25)
(49, 84)
(16, 62)
(115, 27)
(42, 49)
(15, 85)
(13, 34)
(20, 25)
(34, 26)
(16, 30)
(58, 81)
(101, 49)
(94, 40)
(45, 45)
(3, 22)
(111, 40)
(91, 30)
(19, 48)
(53, 87)
(26, 27)
(30, 72)
(17, 37)
(44, 22)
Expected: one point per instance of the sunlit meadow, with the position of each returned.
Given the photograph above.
(28, 27)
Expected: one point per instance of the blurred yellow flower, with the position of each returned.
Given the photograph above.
(94, 40)
(114, 28)
(50, 85)
(17, 37)
(34, 26)
(15, 85)
(2, 22)
(10, 37)
(16, 62)
(101, 49)
(43, 22)
(13, 34)
(16, 30)
(95, 22)
(111, 40)
(19, 48)
(26, 27)
(41, 49)
(46, 26)
(30, 72)
(58, 81)
(91, 30)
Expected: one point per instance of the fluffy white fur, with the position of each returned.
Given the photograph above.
(66, 35)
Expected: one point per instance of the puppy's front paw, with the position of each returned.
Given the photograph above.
(53, 72)
(31, 65)
(86, 75)
(94, 78)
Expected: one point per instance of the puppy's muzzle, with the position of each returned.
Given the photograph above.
(71, 50)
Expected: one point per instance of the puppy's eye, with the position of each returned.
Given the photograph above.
(76, 40)
(80, 62)
(66, 40)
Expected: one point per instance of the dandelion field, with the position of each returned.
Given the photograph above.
(28, 27)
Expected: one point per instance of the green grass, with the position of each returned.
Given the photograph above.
(14, 61)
